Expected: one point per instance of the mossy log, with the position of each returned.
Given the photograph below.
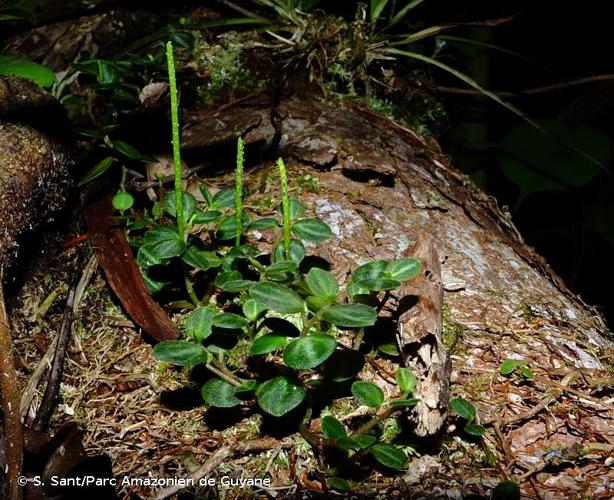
(380, 187)
(34, 165)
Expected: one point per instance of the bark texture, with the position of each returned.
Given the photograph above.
(420, 339)
(34, 167)
(380, 186)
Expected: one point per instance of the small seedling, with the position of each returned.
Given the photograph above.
(513, 366)
(466, 410)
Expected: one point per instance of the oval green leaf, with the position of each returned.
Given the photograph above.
(379, 284)
(310, 351)
(181, 353)
(312, 230)
(199, 323)
(277, 297)
(406, 380)
(351, 315)
(463, 408)
(403, 269)
(367, 393)
(268, 343)
(355, 442)
(230, 321)
(389, 455)
(279, 395)
(332, 428)
(321, 283)
(218, 392)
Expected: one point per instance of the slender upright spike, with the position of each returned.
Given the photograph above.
(285, 205)
(239, 192)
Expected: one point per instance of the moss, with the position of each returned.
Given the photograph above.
(452, 331)
(307, 183)
(222, 66)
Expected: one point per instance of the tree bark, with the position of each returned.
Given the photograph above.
(380, 186)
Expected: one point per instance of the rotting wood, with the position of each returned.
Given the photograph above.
(420, 338)
(115, 258)
(13, 432)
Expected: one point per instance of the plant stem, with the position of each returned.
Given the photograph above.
(285, 204)
(223, 375)
(189, 287)
(239, 193)
(176, 142)
(366, 427)
(358, 339)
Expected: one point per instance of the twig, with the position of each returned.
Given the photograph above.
(10, 404)
(224, 453)
(79, 280)
(533, 91)
(548, 399)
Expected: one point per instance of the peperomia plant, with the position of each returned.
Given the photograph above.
(268, 326)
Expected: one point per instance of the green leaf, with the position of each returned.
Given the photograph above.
(354, 290)
(309, 352)
(367, 393)
(379, 284)
(153, 286)
(350, 315)
(388, 348)
(199, 322)
(296, 208)
(403, 403)
(279, 395)
(277, 297)
(506, 490)
(252, 310)
(224, 198)
(222, 278)
(97, 170)
(525, 372)
(235, 286)
(474, 430)
(226, 230)
(131, 152)
(406, 380)
(537, 162)
(181, 353)
(322, 284)
(122, 201)
(205, 192)
(399, 16)
(229, 320)
(317, 303)
(508, 367)
(247, 386)
(376, 8)
(312, 230)
(389, 455)
(332, 428)
(284, 266)
(297, 252)
(17, 66)
(403, 269)
(145, 258)
(369, 271)
(201, 217)
(268, 343)
(196, 258)
(189, 205)
(463, 408)
(218, 392)
(163, 242)
(265, 223)
(338, 483)
(355, 442)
